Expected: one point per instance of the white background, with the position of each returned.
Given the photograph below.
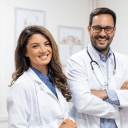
(71, 13)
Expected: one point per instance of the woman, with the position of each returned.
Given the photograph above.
(37, 98)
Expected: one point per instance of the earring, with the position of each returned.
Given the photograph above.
(26, 55)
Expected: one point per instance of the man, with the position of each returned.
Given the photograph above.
(97, 77)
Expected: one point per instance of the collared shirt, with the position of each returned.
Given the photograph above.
(112, 96)
(46, 80)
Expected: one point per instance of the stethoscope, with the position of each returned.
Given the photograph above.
(91, 63)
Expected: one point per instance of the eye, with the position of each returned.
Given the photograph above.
(47, 43)
(108, 29)
(35, 46)
(97, 28)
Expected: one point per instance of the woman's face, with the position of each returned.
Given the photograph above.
(39, 51)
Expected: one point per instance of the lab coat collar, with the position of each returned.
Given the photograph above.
(34, 76)
(39, 81)
(95, 55)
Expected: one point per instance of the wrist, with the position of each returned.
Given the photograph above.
(105, 95)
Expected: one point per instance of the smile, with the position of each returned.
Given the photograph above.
(43, 57)
(101, 39)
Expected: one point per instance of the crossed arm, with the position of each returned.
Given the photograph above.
(102, 94)
(82, 97)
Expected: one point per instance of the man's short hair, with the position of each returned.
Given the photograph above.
(103, 10)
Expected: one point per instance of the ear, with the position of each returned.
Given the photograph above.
(26, 55)
(89, 29)
(114, 31)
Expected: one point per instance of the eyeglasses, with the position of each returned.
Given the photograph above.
(107, 29)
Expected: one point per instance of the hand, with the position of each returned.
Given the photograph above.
(68, 124)
(102, 94)
(125, 85)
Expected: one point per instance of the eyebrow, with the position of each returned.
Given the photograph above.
(34, 43)
(100, 26)
(38, 43)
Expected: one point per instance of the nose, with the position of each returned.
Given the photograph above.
(43, 49)
(102, 33)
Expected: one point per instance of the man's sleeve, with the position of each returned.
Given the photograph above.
(82, 98)
(112, 97)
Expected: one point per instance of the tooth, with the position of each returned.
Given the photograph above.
(102, 39)
(43, 57)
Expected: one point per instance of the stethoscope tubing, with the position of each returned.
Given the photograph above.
(92, 61)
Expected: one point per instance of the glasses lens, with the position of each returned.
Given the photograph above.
(99, 29)
(96, 28)
(109, 30)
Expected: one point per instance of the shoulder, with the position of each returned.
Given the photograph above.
(78, 57)
(23, 82)
(78, 61)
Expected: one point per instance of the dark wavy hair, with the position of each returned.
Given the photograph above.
(102, 10)
(22, 63)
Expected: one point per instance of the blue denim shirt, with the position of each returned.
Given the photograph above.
(46, 80)
(112, 96)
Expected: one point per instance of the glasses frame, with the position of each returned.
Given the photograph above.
(103, 28)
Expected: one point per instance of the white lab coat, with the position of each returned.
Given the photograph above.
(88, 108)
(31, 104)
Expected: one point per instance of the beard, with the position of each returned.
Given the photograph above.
(95, 43)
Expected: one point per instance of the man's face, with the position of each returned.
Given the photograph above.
(101, 40)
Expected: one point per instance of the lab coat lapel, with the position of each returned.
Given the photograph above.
(39, 82)
(111, 67)
(112, 81)
(60, 98)
(39, 86)
(95, 57)
(93, 53)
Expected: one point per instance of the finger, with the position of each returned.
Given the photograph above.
(64, 122)
(126, 85)
(74, 126)
(123, 86)
(67, 120)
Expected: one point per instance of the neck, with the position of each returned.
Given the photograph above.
(105, 53)
(43, 69)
